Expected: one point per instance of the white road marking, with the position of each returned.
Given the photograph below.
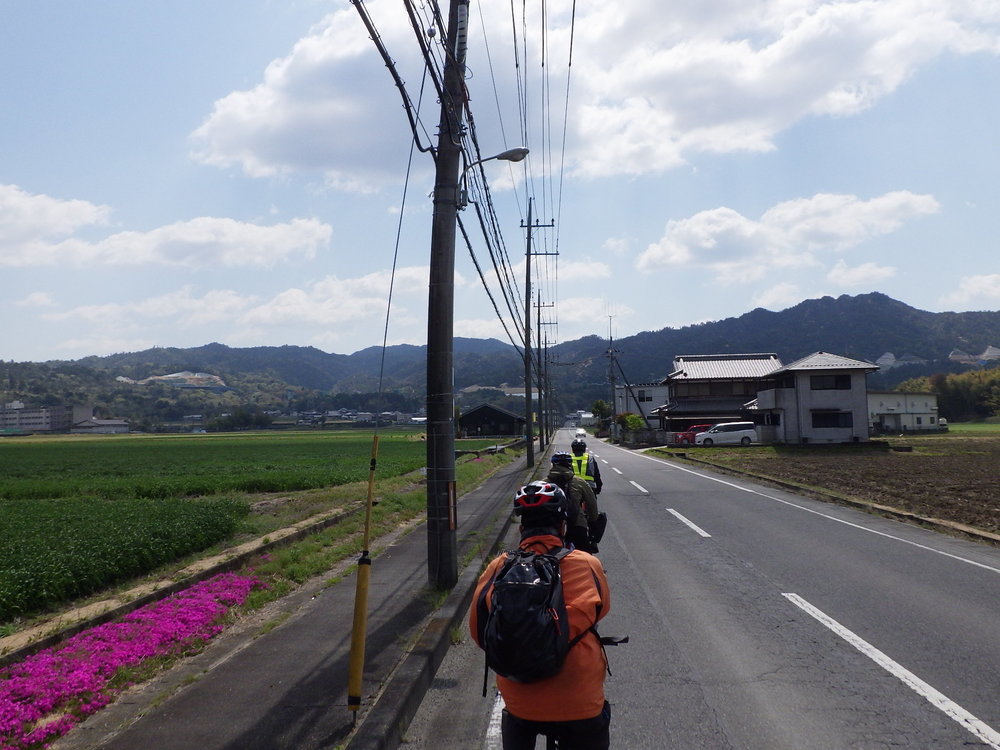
(494, 740)
(825, 515)
(688, 523)
(639, 487)
(979, 728)
(619, 471)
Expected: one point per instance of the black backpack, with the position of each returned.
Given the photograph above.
(525, 631)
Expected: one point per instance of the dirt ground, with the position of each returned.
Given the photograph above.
(942, 477)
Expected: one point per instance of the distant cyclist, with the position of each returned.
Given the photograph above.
(584, 515)
(585, 466)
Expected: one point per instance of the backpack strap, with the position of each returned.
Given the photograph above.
(483, 613)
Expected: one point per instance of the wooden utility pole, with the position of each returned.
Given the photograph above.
(442, 553)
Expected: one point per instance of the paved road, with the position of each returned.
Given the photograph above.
(763, 620)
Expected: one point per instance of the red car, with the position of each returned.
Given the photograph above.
(687, 437)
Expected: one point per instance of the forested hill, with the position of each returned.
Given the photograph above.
(863, 327)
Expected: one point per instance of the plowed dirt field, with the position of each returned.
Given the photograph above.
(943, 477)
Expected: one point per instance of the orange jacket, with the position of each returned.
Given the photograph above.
(577, 692)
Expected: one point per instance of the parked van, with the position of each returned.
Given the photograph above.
(728, 433)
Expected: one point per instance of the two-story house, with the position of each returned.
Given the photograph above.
(821, 398)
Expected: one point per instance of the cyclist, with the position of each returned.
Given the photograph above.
(585, 467)
(569, 707)
(584, 512)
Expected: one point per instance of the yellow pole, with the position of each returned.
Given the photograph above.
(358, 632)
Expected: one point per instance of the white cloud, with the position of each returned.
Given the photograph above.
(582, 270)
(721, 76)
(329, 106)
(36, 230)
(182, 307)
(336, 302)
(207, 242)
(867, 274)
(36, 299)
(718, 76)
(778, 297)
(790, 234)
(587, 310)
(972, 288)
(29, 223)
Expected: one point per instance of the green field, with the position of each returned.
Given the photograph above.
(115, 468)
(78, 514)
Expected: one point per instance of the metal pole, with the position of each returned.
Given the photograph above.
(442, 554)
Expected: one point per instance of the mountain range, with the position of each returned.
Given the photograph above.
(862, 327)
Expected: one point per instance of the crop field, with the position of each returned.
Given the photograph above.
(115, 468)
(80, 514)
(954, 477)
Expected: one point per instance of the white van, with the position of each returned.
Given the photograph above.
(728, 433)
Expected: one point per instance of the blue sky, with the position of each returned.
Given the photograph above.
(181, 173)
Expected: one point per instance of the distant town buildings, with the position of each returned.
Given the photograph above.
(15, 416)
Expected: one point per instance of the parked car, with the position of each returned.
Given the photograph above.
(728, 433)
(687, 436)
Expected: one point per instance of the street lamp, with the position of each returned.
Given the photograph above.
(512, 154)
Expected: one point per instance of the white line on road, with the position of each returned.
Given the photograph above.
(639, 487)
(616, 470)
(979, 728)
(688, 523)
(493, 735)
(824, 515)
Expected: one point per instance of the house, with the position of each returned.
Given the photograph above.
(821, 398)
(706, 388)
(899, 411)
(487, 420)
(641, 399)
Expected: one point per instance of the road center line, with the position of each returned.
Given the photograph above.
(824, 515)
(618, 471)
(639, 487)
(698, 530)
(979, 728)
(493, 734)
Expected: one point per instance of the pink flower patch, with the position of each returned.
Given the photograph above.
(44, 696)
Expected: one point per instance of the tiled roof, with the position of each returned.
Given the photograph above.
(827, 361)
(721, 366)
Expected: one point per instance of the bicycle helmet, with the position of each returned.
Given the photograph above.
(541, 499)
(562, 458)
(578, 444)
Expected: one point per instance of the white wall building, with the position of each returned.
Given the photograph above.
(899, 411)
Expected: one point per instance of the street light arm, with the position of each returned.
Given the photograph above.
(513, 154)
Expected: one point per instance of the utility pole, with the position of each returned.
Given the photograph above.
(528, 416)
(612, 428)
(544, 391)
(442, 551)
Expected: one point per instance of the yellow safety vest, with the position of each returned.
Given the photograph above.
(580, 464)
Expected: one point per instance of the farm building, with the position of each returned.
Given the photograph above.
(490, 421)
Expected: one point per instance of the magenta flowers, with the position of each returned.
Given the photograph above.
(44, 696)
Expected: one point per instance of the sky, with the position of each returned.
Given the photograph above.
(244, 172)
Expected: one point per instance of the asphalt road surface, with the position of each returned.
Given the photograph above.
(762, 620)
